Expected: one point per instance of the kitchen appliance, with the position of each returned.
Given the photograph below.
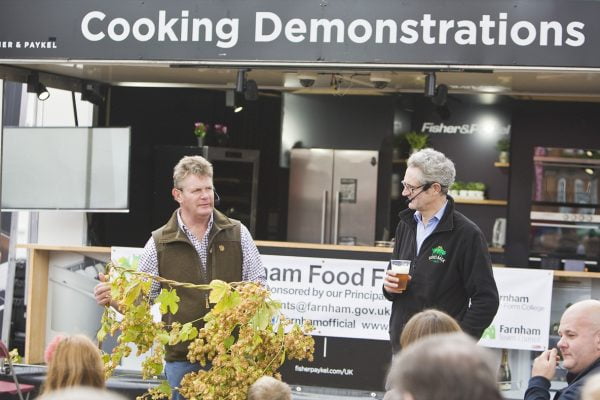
(332, 196)
(499, 233)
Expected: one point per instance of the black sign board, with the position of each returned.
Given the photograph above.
(543, 33)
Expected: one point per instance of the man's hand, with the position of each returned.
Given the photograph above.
(390, 282)
(102, 291)
(545, 364)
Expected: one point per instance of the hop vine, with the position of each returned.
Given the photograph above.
(244, 337)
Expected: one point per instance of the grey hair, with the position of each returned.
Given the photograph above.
(269, 388)
(460, 368)
(191, 165)
(434, 166)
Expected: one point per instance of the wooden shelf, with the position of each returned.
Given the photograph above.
(496, 249)
(399, 161)
(501, 164)
(481, 202)
(567, 160)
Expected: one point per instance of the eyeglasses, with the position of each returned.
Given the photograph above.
(411, 188)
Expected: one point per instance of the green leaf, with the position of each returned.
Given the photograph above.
(165, 388)
(163, 337)
(169, 301)
(282, 358)
(229, 342)
(188, 332)
(132, 292)
(218, 290)
(261, 319)
(227, 302)
(102, 333)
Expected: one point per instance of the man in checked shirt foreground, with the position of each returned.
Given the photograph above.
(197, 244)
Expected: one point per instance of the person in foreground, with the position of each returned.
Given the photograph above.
(447, 366)
(269, 388)
(451, 269)
(81, 393)
(197, 244)
(579, 346)
(425, 323)
(73, 361)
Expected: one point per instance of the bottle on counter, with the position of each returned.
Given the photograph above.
(504, 376)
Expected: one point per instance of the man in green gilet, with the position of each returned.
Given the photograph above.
(197, 244)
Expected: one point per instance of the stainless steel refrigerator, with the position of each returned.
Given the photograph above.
(333, 196)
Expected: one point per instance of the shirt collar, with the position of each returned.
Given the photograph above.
(186, 229)
(436, 217)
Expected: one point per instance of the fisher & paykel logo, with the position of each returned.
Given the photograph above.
(437, 255)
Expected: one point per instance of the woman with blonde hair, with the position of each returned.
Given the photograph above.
(425, 323)
(73, 361)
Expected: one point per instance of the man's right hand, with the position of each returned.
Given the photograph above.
(102, 291)
(390, 282)
(545, 364)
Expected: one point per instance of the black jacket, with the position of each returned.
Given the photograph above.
(452, 269)
(539, 387)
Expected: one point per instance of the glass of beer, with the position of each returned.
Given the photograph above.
(401, 268)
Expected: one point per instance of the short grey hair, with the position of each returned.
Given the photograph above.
(191, 165)
(269, 388)
(434, 166)
(460, 368)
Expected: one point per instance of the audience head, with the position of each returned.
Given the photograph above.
(425, 323)
(580, 335)
(591, 388)
(460, 369)
(73, 361)
(80, 393)
(269, 388)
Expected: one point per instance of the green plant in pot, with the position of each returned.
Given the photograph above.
(416, 140)
(503, 145)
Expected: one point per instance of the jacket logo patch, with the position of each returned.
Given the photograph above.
(437, 255)
(221, 247)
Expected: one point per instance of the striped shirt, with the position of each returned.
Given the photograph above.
(252, 267)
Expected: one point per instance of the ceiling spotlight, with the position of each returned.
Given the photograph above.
(430, 84)
(35, 86)
(234, 100)
(92, 92)
(380, 80)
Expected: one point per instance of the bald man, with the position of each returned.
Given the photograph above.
(580, 348)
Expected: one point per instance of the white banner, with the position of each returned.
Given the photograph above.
(523, 319)
(342, 298)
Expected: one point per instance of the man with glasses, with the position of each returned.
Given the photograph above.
(451, 269)
(197, 244)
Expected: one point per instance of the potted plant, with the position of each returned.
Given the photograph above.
(454, 189)
(478, 190)
(502, 146)
(416, 140)
(200, 130)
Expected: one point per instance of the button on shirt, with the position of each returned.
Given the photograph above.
(252, 267)
(424, 231)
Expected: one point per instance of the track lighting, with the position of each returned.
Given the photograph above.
(35, 86)
(91, 92)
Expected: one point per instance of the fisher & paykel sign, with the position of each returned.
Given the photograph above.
(544, 33)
